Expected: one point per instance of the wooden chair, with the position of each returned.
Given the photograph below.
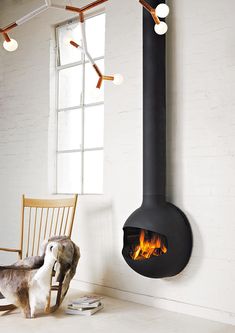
(41, 219)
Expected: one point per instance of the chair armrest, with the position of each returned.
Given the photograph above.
(9, 250)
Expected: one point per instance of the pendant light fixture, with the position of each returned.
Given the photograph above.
(11, 44)
(116, 78)
(162, 11)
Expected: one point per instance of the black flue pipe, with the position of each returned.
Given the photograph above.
(154, 106)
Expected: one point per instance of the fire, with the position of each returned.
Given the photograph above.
(147, 247)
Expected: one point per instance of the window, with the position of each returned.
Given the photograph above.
(80, 109)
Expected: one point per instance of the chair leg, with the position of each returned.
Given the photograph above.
(48, 304)
(8, 307)
(59, 300)
(58, 297)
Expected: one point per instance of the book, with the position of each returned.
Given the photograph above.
(86, 300)
(79, 306)
(83, 312)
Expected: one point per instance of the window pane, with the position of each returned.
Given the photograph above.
(69, 173)
(70, 87)
(95, 32)
(68, 53)
(93, 172)
(93, 95)
(82, 171)
(70, 129)
(94, 127)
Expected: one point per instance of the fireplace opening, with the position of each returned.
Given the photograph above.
(157, 239)
(144, 244)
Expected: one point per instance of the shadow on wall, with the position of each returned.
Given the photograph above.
(98, 243)
(175, 137)
(190, 271)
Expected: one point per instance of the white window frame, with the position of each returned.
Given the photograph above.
(81, 107)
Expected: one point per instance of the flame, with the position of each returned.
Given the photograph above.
(146, 248)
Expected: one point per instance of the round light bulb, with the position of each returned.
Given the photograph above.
(161, 28)
(162, 10)
(118, 79)
(10, 46)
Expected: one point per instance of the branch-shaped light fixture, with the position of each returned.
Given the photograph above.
(116, 78)
(162, 11)
(11, 44)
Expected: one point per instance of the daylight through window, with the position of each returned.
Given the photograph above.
(80, 109)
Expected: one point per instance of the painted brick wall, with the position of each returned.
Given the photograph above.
(201, 149)
(25, 115)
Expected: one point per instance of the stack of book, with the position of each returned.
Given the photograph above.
(85, 306)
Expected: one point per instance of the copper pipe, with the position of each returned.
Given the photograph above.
(99, 84)
(6, 37)
(81, 17)
(97, 70)
(151, 10)
(74, 44)
(9, 27)
(85, 8)
(108, 78)
(92, 5)
(155, 17)
(73, 9)
(146, 6)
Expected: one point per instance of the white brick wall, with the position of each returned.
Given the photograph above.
(201, 157)
(24, 115)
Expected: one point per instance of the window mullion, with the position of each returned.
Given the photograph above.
(83, 121)
(77, 63)
(57, 54)
(57, 118)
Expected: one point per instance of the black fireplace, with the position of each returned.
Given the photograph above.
(157, 236)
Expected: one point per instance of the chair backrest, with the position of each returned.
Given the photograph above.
(44, 218)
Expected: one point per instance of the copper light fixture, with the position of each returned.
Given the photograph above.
(11, 45)
(162, 11)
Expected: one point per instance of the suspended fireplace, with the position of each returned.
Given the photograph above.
(157, 236)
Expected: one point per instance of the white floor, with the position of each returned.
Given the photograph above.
(117, 317)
